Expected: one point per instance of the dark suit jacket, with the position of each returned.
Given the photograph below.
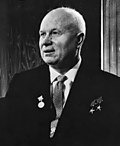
(23, 123)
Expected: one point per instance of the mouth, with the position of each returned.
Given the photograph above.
(49, 52)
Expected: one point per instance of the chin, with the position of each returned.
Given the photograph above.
(50, 62)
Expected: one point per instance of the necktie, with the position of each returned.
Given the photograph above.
(58, 95)
(58, 101)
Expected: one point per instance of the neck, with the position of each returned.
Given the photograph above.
(62, 69)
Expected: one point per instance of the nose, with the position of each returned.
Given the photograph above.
(47, 40)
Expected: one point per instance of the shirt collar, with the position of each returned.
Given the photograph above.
(73, 71)
(70, 74)
(53, 74)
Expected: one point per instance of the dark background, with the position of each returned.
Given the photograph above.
(19, 25)
(25, 15)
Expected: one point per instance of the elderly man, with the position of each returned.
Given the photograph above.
(63, 102)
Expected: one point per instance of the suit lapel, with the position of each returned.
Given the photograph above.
(40, 87)
(79, 92)
(77, 106)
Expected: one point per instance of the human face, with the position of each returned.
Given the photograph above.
(57, 43)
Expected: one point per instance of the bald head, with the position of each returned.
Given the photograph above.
(62, 34)
(67, 18)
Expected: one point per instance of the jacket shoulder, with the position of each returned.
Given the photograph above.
(106, 77)
(31, 74)
(24, 81)
(107, 82)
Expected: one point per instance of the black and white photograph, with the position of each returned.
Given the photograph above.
(59, 73)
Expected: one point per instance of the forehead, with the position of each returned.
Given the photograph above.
(56, 19)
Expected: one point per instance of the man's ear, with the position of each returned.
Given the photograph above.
(80, 37)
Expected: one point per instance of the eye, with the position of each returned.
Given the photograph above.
(55, 33)
(42, 34)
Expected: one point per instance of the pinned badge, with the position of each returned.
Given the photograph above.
(96, 105)
(41, 104)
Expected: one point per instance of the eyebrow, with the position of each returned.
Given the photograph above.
(50, 30)
(41, 31)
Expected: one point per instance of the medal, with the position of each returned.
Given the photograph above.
(41, 104)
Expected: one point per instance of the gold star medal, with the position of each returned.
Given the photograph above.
(41, 104)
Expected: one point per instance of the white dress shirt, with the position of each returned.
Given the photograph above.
(71, 74)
